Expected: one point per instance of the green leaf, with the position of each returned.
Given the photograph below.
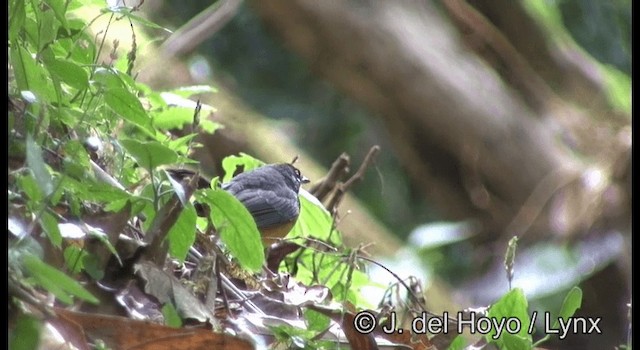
(458, 343)
(183, 233)
(48, 28)
(73, 257)
(17, 18)
(237, 228)
(316, 321)
(618, 88)
(314, 220)
(56, 282)
(188, 91)
(171, 316)
(38, 167)
(149, 155)
(231, 163)
(183, 143)
(173, 118)
(49, 224)
(125, 11)
(571, 303)
(209, 126)
(100, 192)
(512, 305)
(166, 118)
(70, 73)
(76, 160)
(58, 8)
(29, 74)
(26, 333)
(18, 249)
(30, 187)
(108, 79)
(128, 106)
(510, 341)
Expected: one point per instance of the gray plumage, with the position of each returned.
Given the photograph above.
(270, 193)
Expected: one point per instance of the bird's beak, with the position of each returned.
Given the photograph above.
(304, 179)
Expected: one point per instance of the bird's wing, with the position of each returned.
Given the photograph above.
(268, 208)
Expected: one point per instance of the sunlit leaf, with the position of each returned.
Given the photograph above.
(17, 18)
(127, 13)
(231, 163)
(128, 106)
(149, 155)
(70, 73)
(512, 305)
(237, 227)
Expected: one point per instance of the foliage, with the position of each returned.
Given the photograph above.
(64, 96)
(66, 92)
(94, 142)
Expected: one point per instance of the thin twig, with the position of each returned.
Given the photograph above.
(339, 169)
(341, 189)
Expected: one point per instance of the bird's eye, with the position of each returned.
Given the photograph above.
(298, 175)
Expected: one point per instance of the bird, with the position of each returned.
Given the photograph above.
(270, 194)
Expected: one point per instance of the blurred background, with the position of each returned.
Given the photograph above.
(496, 118)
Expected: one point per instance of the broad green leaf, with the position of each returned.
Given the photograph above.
(56, 282)
(183, 233)
(512, 305)
(30, 30)
(510, 341)
(26, 333)
(149, 155)
(127, 13)
(171, 316)
(18, 249)
(29, 74)
(316, 321)
(70, 73)
(16, 20)
(49, 224)
(38, 167)
(166, 117)
(183, 143)
(100, 192)
(73, 258)
(236, 226)
(314, 220)
(618, 88)
(76, 160)
(48, 28)
(128, 106)
(30, 187)
(188, 91)
(209, 126)
(571, 303)
(108, 79)
(58, 8)
(458, 343)
(231, 163)
(173, 118)
(70, 116)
